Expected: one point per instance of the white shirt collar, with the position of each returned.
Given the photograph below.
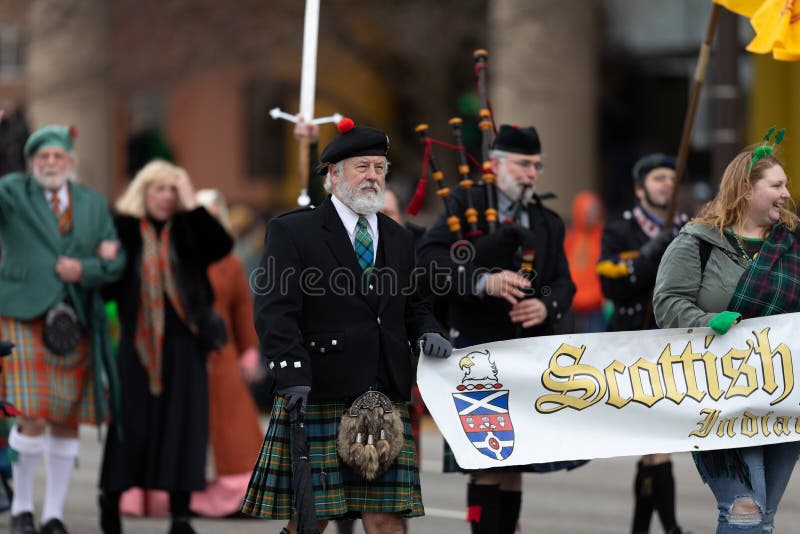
(350, 220)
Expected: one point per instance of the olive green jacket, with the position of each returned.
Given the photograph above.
(30, 244)
(686, 296)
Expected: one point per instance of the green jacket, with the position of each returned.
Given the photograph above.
(31, 244)
(683, 296)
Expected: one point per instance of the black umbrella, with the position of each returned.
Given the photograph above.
(302, 486)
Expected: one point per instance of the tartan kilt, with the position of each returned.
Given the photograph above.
(451, 466)
(39, 383)
(338, 491)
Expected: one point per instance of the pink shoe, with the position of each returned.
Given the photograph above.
(131, 502)
(221, 497)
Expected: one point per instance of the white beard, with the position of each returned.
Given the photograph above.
(53, 182)
(513, 189)
(363, 203)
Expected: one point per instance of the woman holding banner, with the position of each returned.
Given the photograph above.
(739, 259)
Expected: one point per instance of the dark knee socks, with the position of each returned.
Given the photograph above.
(510, 504)
(654, 489)
(664, 496)
(643, 499)
(483, 508)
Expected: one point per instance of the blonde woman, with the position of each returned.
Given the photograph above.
(167, 328)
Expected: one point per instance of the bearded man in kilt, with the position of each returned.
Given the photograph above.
(59, 247)
(338, 314)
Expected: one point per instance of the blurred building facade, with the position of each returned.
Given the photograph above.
(193, 80)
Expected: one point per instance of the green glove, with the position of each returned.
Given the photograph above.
(723, 321)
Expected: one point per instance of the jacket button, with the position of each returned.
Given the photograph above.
(312, 344)
(333, 342)
(371, 287)
(379, 320)
(322, 350)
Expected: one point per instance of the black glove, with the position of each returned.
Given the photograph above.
(498, 248)
(434, 345)
(5, 348)
(654, 249)
(296, 398)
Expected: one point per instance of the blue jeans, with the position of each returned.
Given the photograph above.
(770, 468)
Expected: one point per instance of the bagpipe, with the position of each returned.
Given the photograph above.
(515, 239)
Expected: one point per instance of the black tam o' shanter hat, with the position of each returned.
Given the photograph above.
(353, 141)
(518, 140)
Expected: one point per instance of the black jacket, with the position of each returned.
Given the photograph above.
(483, 319)
(629, 293)
(321, 324)
(197, 240)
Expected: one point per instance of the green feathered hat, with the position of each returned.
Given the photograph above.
(51, 135)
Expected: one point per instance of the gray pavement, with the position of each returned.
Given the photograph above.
(594, 499)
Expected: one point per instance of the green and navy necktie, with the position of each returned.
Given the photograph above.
(363, 245)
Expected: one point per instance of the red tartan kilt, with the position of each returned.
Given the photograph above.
(42, 384)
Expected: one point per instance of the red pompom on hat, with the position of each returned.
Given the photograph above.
(73, 132)
(345, 125)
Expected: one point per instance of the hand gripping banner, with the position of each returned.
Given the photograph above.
(584, 396)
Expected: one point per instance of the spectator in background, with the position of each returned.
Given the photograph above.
(582, 247)
(235, 432)
(167, 329)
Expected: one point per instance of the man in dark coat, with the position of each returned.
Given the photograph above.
(337, 316)
(510, 284)
(59, 247)
(631, 250)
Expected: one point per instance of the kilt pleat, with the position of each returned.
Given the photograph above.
(338, 491)
(42, 384)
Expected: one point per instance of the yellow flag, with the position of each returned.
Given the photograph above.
(776, 23)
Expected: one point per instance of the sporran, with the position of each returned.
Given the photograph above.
(370, 435)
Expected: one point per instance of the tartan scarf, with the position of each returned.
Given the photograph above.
(770, 285)
(157, 280)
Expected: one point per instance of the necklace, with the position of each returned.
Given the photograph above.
(739, 242)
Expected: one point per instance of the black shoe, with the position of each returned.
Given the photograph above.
(181, 525)
(23, 524)
(54, 526)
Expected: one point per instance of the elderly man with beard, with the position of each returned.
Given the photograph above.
(338, 316)
(493, 297)
(59, 245)
(630, 253)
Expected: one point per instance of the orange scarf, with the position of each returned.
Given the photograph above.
(157, 279)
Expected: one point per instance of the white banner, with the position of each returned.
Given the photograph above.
(584, 396)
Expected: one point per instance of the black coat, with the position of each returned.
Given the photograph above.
(319, 325)
(165, 435)
(481, 319)
(197, 240)
(631, 293)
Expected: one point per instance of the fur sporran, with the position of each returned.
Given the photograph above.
(370, 435)
(62, 331)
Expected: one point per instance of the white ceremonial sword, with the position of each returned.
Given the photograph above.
(308, 80)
